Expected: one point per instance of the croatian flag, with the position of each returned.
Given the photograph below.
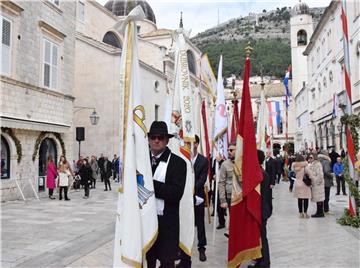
(335, 106)
(286, 84)
(274, 116)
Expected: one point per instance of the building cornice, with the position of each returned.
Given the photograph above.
(330, 9)
(14, 82)
(12, 7)
(97, 44)
(51, 30)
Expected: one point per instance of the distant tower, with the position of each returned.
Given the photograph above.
(301, 29)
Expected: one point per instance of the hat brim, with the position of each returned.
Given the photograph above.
(160, 134)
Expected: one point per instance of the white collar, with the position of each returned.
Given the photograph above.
(157, 156)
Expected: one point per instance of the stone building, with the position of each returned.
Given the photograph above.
(97, 82)
(318, 115)
(37, 82)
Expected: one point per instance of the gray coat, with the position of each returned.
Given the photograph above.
(326, 165)
(317, 182)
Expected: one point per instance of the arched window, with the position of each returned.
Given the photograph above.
(5, 159)
(191, 62)
(111, 39)
(302, 38)
(47, 147)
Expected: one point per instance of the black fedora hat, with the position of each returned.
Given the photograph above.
(159, 128)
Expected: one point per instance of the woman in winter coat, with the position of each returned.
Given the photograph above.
(64, 173)
(85, 173)
(51, 175)
(302, 192)
(94, 171)
(317, 185)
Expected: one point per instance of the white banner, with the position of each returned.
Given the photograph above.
(136, 222)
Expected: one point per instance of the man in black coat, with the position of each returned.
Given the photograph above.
(170, 192)
(333, 156)
(270, 168)
(201, 170)
(266, 211)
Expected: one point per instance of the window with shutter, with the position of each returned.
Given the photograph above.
(5, 46)
(51, 55)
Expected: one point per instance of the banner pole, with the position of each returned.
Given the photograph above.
(216, 200)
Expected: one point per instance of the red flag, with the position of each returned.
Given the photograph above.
(234, 123)
(207, 143)
(245, 212)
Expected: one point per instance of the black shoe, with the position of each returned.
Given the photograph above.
(202, 256)
(226, 235)
(60, 198)
(110, 189)
(105, 190)
(344, 194)
(220, 226)
(337, 194)
(318, 215)
(67, 199)
(212, 214)
(51, 197)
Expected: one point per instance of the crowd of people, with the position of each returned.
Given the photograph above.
(84, 172)
(311, 175)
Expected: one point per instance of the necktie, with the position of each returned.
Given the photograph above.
(153, 161)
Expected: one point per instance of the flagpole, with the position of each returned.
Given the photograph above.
(216, 199)
(347, 73)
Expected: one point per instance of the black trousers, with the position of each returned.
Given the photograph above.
(278, 177)
(51, 191)
(151, 262)
(65, 188)
(303, 204)
(222, 211)
(327, 198)
(340, 180)
(107, 182)
(200, 225)
(319, 208)
(264, 261)
(87, 189)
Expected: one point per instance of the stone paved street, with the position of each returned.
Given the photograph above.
(79, 233)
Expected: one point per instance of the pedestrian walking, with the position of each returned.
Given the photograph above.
(85, 173)
(115, 167)
(317, 185)
(169, 177)
(200, 163)
(65, 172)
(328, 177)
(101, 166)
(279, 168)
(302, 192)
(338, 170)
(51, 175)
(94, 171)
(333, 156)
(107, 171)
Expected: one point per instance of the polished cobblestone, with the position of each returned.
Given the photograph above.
(80, 232)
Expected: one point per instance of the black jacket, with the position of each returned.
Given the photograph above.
(270, 168)
(201, 170)
(108, 172)
(85, 173)
(266, 197)
(166, 245)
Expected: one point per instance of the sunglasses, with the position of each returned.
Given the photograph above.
(156, 137)
(231, 150)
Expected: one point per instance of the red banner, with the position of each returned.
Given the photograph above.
(245, 216)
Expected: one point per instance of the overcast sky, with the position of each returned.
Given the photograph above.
(199, 15)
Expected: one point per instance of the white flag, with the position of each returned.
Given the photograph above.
(261, 123)
(207, 74)
(183, 122)
(221, 121)
(136, 221)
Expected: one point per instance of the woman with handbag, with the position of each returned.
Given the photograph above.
(317, 185)
(51, 175)
(64, 171)
(302, 192)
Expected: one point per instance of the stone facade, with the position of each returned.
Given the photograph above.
(31, 108)
(97, 78)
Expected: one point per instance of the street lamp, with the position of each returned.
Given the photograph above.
(94, 117)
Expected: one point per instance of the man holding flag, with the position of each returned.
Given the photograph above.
(169, 174)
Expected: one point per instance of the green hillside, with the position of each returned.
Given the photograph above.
(272, 56)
